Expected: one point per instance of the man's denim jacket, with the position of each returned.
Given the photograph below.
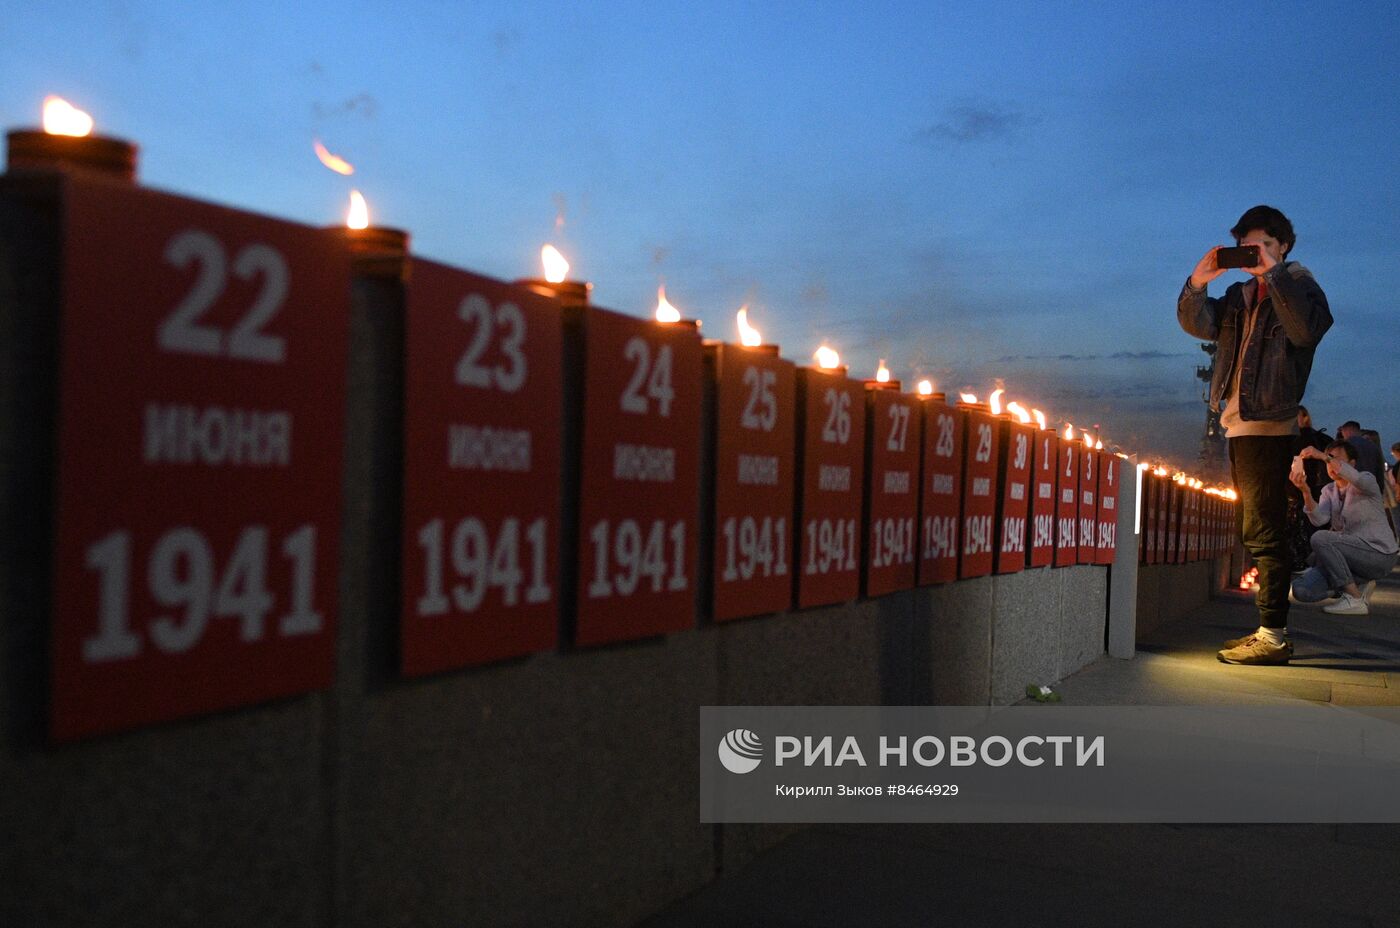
(1278, 358)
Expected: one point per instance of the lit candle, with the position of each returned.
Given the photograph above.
(882, 379)
(376, 251)
(571, 294)
(66, 144)
(668, 314)
(828, 359)
(749, 337)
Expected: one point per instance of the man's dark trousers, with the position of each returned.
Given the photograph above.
(1259, 467)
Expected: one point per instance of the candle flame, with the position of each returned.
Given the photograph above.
(882, 374)
(1231, 495)
(1160, 471)
(1039, 418)
(926, 388)
(556, 268)
(969, 398)
(358, 217)
(334, 162)
(1088, 440)
(1144, 467)
(1019, 411)
(1098, 444)
(995, 400)
(748, 335)
(665, 312)
(63, 118)
(827, 358)
(1069, 431)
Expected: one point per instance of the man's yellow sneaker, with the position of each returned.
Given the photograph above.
(1255, 650)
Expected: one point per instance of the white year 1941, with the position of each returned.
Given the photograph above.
(629, 555)
(511, 559)
(891, 542)
(754, 547)
(190, 586)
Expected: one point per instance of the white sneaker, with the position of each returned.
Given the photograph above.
(1348, 605)
(1367, 590)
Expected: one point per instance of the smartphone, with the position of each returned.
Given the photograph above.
(1241, 256)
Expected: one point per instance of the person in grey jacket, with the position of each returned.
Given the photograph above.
(1266, 329)
(1359, 545)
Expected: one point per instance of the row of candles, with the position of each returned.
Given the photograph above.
(64, 123)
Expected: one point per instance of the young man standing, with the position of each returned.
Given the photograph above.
(1267, 329)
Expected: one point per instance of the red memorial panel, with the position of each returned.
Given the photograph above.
(893, 476)
(941, 497)
(1088, 505)
(1164, 514)
(1014, 509)
(639, 493)
(1110, 475)
(832, 445)
(755, 436)
(981, 457)
(1067, 503)
(483, 401)
(1174, 498)
(1195, 538)
(1149, 517)
(200, 439)
(1045, 447)
(1147, 514)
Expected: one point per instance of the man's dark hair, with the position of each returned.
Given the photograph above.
(1395, 447)
(1270, 221)
(1347, 447)
(1350, 424)
(1371, 435)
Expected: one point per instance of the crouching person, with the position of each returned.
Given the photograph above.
(1359, 546)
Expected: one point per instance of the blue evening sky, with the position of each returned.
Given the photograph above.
(969, 190)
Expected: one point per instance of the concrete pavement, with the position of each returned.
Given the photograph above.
(1083, 875)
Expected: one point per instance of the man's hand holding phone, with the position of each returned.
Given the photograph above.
(1250, 257)
(1263, 261)
(1206, 270)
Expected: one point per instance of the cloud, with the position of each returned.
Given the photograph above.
(1115, 392)
(359, 105)
(975, 122)
(1116, 356)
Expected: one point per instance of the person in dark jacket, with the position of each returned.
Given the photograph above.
(1267, 330)
(1368, 454)
(1300, 527)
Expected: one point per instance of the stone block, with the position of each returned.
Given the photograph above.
(827, 656)
(558, 789)
(959, 620)
(216, 821)
(1149, 607)
(1083, 616)
(1025, 632)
